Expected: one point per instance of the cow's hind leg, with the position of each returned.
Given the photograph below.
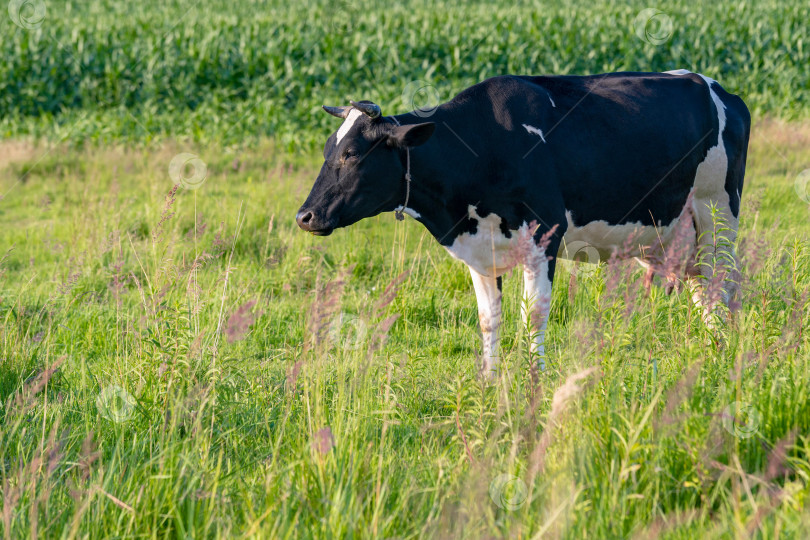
(718, 229)
(488, 294)
(716, 203)
(717, 276)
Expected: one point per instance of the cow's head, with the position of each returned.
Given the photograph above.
(363, 170)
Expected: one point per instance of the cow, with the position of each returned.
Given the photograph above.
(599, 160)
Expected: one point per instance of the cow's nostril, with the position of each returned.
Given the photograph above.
(304, 219)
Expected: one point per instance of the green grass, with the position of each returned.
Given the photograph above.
(198, 367)
(228, 72)
(220, 431)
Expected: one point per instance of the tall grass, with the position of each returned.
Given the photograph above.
(188, 363)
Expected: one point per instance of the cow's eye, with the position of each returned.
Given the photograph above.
(350, 154)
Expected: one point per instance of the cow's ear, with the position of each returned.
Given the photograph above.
(412, 135)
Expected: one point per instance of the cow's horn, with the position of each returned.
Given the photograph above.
(340, 112)
(372, 110)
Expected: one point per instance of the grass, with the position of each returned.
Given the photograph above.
(187, 363)
(195, 366)
(218, 72)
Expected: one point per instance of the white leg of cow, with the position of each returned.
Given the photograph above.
(717, 254)
(536, 305)
(706, 294)
(489, 317)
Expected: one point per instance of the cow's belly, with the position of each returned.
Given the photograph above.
(491, 253)
(598, 240)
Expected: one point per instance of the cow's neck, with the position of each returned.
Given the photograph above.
(440, 185)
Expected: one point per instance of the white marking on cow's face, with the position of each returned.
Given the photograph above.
(552, 101)
(535, 131)
(354, 114)
(410, 211)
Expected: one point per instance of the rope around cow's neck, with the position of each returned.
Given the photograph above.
(398, 213)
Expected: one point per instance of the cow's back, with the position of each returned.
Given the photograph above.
(619, 147)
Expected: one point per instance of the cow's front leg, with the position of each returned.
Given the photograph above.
(488, 295)
(538, 274)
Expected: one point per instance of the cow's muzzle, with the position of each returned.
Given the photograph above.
(307, 221)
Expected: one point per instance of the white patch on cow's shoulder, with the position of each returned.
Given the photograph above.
(488, 251)
(484, 251)
(410, 211)
(535, 131)
(354, 114)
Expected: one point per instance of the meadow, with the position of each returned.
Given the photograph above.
(181, 361)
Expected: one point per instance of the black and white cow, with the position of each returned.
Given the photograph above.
(603, 158)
